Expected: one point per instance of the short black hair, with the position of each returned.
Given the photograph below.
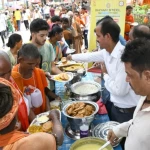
(13, 39)
(76, 11)
(55, 19)
(29, 51)
(38, 25)
(129, 7)
(106, 17)
(55, 30)
(137, 52)
(83, 8)
(65, 20)
(139, 33)
(111, 27)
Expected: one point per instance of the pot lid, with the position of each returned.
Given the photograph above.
(101, 130)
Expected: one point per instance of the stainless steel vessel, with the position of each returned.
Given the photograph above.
(76, 122)
(95, 96)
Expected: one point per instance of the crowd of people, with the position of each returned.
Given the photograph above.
(27, 68)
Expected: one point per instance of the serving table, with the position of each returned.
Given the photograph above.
(60, 90)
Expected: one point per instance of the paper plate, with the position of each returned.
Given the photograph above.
(70, 51)
(134, 24)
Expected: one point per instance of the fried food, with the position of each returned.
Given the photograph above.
(80, 110)
(35, 129)
(47, 127)
(64, 60)
(73, 67)
(62, 77)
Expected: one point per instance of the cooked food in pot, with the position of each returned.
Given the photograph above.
(89, 147)
(85, 89)
(80, 109)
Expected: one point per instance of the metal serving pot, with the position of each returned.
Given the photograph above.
(89, 140)
(92, 96)
(75, 122)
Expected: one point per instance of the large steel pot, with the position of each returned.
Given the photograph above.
(95, 96)
(90, 140)
(75, 122)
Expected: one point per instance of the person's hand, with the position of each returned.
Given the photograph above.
(54, 114)
(103, 68)
(58, 98)
(69, 57)
(48, 75)
(94, 50)
(97, 64)
(112, 137)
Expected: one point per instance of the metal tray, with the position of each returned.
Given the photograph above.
(101, 130)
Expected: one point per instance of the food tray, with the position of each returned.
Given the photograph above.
(35, 122)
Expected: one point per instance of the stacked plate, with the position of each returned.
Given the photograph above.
(101, 130)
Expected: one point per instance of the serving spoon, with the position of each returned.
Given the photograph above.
(105, 145)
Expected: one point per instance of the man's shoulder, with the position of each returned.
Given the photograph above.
(47, 45)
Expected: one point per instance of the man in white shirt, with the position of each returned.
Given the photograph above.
(3, 27)
(122, 97)
(136, 58)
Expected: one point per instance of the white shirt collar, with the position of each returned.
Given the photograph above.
(116, 51)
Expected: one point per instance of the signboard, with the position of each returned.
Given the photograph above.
(101, 8)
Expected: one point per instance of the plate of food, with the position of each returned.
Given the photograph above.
(63, 77)
(70, 51)
(64, 62)
(74, 67)
(42, 123)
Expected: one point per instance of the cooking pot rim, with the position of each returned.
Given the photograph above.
(89, 102)
(72, 87)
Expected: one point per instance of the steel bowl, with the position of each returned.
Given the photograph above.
(95, 96)
(75, 122)
(88, 141)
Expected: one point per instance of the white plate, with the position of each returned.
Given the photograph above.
(134, 24)
(35, 121)
(70, 74)
(60, 64)
(70, 51)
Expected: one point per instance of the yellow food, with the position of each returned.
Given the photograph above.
(89, 147)
(80, 110)
(35, 129)
(64, 60)
(62, 77)
(42, 118)
(73, 68)
(47, 127)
